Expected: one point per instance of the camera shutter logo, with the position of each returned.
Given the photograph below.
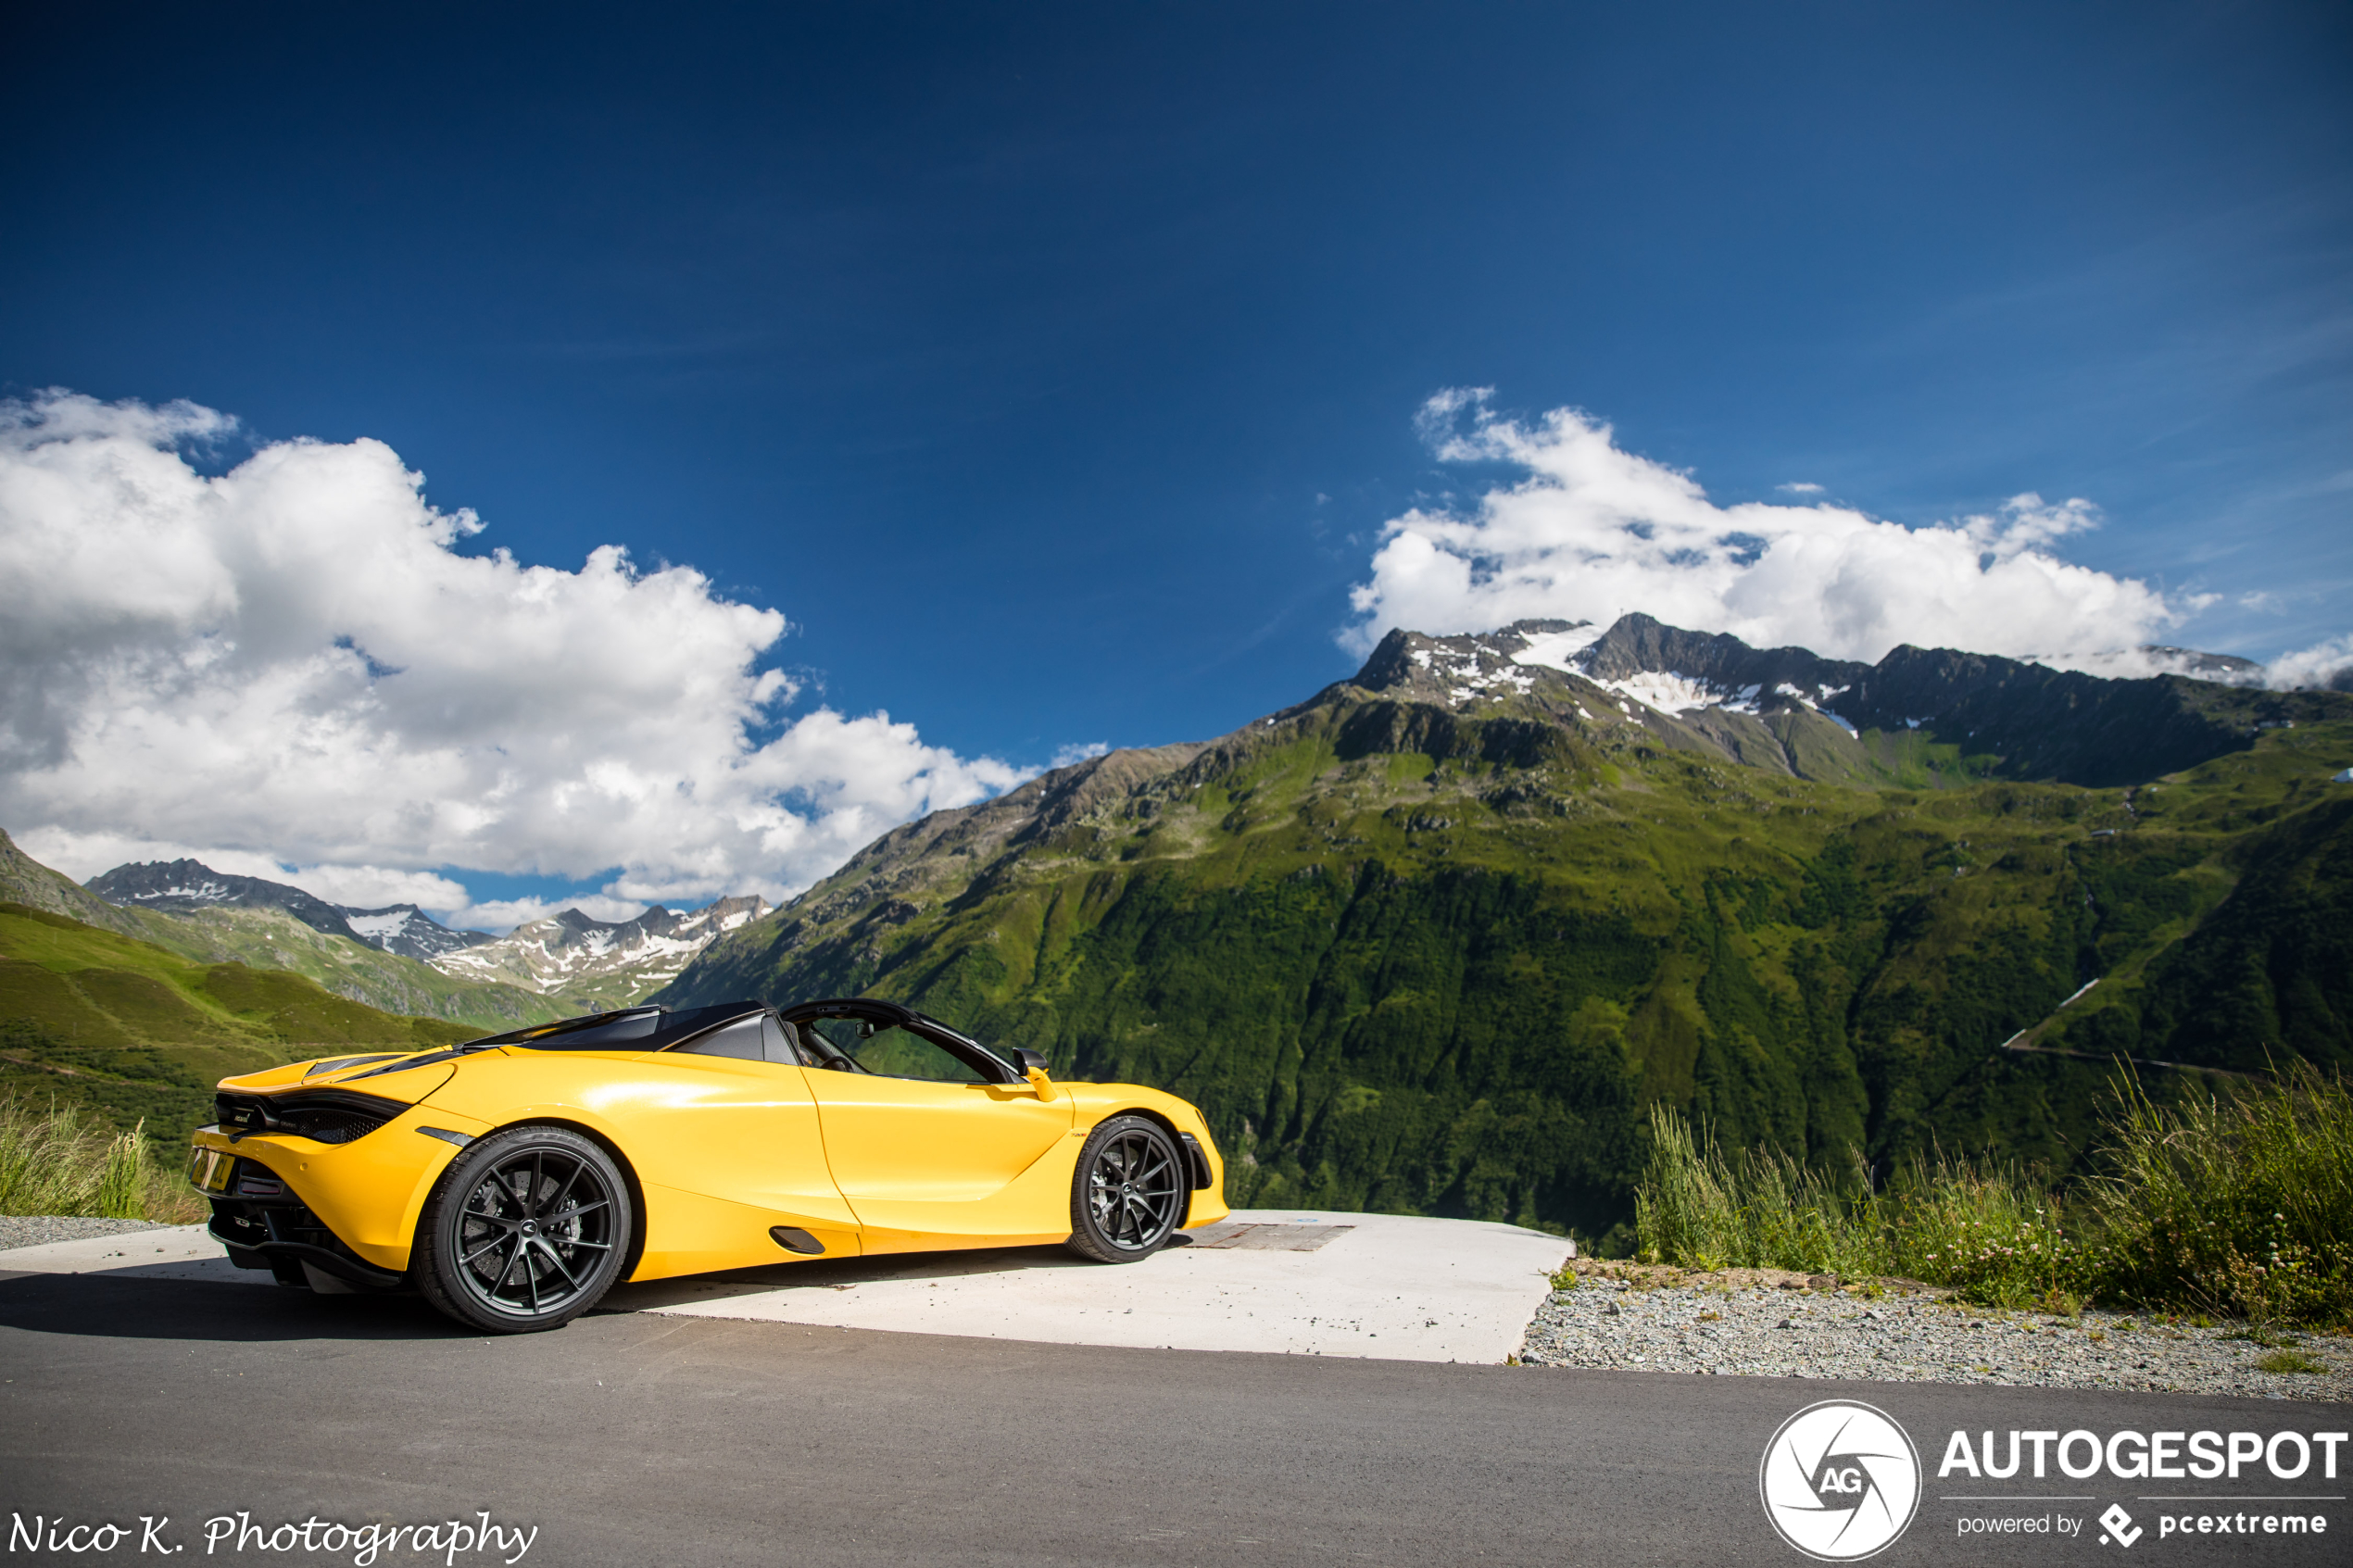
(1840, 1480)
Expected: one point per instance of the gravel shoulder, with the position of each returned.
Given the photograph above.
(1765, 1322)
(39, 1230)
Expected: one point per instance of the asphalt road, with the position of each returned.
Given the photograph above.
(643, 1440)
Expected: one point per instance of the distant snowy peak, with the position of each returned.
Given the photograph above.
(1672, 670)
(181, 887)
(186, 887)
(567, 951)
(1637, 660)
(408, 930)
(1780, 706)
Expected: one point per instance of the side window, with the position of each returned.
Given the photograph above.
(743, 1039)
(778, 1040)
(893, 1052)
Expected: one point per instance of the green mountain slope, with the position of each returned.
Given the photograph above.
(263, 938)
(1432, 941)
(26, 880)
(132, 1031)
(388, 982)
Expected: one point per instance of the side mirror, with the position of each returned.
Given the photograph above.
(1033, 1067)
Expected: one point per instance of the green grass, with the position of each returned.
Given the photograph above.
(58, 1160)
(2239, 1203)
(1943, 1220)
(2291, 1362)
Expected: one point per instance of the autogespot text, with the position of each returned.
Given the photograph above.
(2246, 1458)
(2137, 1456)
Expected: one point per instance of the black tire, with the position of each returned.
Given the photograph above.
(524, 1232)
(1130, 1193)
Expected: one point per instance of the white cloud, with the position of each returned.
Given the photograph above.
(1590, 532)
(2322, 665)
(1800, 487)
(86, 854)
(372, 887)
(1071, 754)
(291, 664)
(502, 915)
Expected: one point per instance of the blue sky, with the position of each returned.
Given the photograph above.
(1054, 368)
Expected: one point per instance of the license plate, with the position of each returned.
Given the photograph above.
(210, 1169)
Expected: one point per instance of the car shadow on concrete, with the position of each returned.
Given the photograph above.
(838, 1273)
(142, 1304)
(109, 1306)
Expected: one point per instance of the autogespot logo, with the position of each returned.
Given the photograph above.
(1839, 1480)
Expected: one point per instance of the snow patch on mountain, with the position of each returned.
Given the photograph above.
(1480, 671)
(1559, 649)
(375, 928)
(1670, 691)
(609, 960)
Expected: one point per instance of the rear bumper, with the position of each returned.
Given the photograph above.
(360, 1199)
(262, 1224)
(336, 1264)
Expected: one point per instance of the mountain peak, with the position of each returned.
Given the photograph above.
(1711, 691)
(182, 888)
(583, 959)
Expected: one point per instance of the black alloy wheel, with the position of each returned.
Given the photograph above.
(1129, 1194)
(525, 1231)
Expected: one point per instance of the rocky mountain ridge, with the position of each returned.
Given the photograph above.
(2001, 717)
(563, 960)
(604, 963)
(185, 886)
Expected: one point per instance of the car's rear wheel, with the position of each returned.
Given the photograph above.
(1131, 1192)
(525, 1231)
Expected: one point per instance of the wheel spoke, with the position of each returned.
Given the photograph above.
(484, 1248)
(563, 1192)
(558, 1263)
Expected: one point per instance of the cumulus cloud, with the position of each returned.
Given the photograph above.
(2323, 666)
(291, 664)
(1588, 530)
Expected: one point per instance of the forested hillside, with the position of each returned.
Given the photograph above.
(1433, 940)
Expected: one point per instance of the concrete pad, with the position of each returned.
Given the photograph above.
(1387, 1287)
(170, 1253)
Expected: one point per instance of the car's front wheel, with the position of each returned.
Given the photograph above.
(525, 1231)
(1129, 1194)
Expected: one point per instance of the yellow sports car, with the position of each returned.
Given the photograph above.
(514, 1180)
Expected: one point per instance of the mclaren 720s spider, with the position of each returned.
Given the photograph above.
(514, 1180)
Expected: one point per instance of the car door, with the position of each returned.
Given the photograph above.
(729, 1115)
(922, 1145)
